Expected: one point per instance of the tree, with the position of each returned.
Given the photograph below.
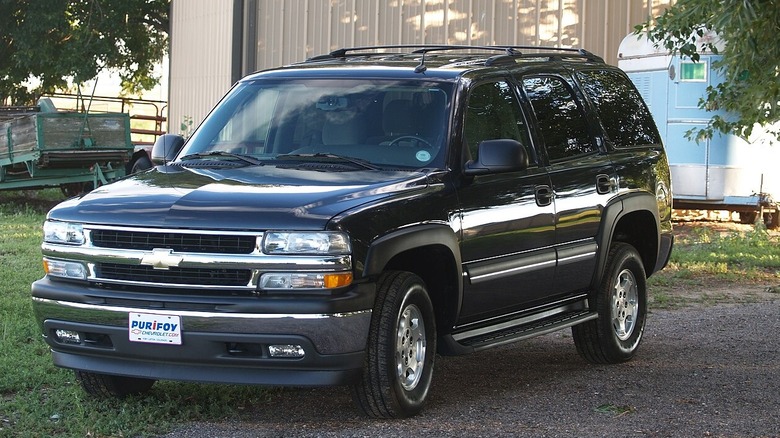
(749, 30)
(56, 42)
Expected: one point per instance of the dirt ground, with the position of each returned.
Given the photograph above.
(700, 372)
(708, 367)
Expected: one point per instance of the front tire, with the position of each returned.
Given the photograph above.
(107, 386)
(401, 348)
(621, 303)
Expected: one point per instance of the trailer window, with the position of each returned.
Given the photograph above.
(693, 71)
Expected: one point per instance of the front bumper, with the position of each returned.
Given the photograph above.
(219, 343)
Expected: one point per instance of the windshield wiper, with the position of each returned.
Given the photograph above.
(244, 158)
(330, 158)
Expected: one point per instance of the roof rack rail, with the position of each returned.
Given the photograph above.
(508, 51)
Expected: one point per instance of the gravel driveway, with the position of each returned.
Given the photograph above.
(700, 372)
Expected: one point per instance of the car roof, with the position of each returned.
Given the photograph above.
(434, 62)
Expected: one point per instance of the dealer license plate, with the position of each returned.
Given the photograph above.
(155, 329)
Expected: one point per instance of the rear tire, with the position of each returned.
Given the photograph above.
(401, 348)
(621, 303)
(107, 386)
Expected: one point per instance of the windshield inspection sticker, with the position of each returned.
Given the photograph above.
(154, 329)
(423, 155)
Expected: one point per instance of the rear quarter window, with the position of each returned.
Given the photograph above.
(626, 120)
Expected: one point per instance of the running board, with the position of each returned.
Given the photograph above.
(511, 331)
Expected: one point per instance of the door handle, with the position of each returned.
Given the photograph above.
(605, 184)
(544, 196)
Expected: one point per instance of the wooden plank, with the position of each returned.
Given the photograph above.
(68, 130)
(23, 135)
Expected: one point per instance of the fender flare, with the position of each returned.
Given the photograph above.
(388, 246)
(384, 248)
(612, 215)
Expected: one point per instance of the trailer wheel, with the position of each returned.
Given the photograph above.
(772, 220)
(142, 163)
(75, 189)
(748, 217)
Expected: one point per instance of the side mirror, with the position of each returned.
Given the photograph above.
(165, 148)
(495, 156)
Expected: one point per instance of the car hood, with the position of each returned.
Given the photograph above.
(249, 198)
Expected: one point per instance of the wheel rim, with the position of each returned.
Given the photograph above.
(625, 305)
(410, 347)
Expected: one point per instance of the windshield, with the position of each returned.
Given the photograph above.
(384, 123)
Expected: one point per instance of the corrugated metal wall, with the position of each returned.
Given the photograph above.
(291, 31)
(200, 59)
(278, 32)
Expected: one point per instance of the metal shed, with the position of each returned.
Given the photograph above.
(216, 42)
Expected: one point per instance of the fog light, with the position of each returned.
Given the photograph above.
(288, 351)
(68, 336)
(61, 268)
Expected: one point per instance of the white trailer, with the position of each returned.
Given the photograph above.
(722, 173)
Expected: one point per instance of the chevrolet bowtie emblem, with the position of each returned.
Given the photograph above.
(161, 258)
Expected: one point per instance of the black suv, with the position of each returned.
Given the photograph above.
(341, 220)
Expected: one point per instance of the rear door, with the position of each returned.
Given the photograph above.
(581, 174)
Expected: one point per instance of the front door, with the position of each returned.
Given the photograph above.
(507, 218)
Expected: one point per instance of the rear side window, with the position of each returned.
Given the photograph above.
(626, 120)
(561, 119)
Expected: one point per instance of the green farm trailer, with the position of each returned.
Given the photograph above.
(42, 147)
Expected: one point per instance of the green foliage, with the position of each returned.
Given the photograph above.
(751, 57)
(54, 41)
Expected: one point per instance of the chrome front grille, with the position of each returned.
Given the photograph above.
(177, 241)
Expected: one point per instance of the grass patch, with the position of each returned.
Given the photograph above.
(710, 262)
(39, 399)
(615, 410)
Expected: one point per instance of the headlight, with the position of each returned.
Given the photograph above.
(330, 243)
(63, 232)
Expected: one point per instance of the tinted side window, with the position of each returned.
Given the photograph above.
(625, 118)
(561, 119)
(493, 113)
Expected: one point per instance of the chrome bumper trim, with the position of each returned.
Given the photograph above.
(330, 333)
